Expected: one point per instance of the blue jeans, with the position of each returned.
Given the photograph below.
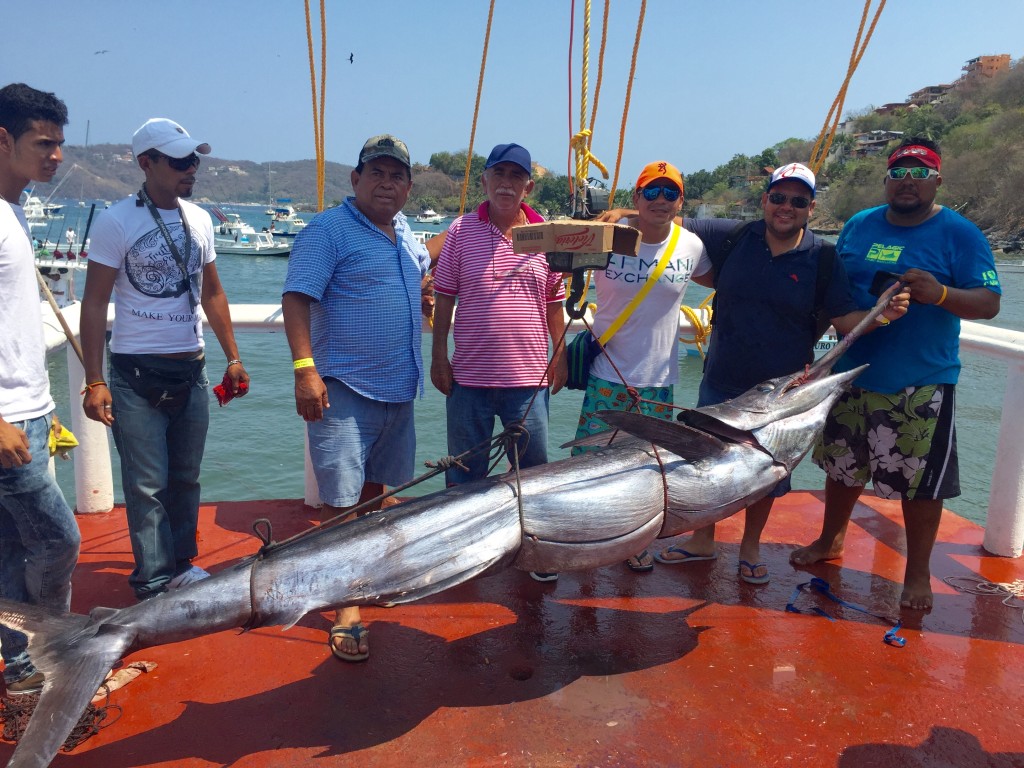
(39, 542)
(471, 414)
(160, 456)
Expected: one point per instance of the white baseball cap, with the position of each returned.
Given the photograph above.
(796, 171)
(168, 137)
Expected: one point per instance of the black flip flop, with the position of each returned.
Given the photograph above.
(636, 564)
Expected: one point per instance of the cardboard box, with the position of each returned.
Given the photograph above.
(576, 237)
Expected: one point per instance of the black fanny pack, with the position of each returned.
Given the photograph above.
(165, 382)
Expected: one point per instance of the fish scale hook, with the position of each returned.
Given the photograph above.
(264, 531)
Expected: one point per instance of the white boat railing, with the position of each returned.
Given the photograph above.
(1004, 527)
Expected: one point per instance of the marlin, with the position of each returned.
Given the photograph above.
(652, 479)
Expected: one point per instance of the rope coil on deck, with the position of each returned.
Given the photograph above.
(15, 712)
(1008, 591)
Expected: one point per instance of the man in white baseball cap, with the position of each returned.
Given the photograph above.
(154, 252)
(167, 137)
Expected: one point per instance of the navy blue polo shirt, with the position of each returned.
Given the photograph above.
(764, 320)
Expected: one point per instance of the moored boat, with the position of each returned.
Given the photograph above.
(252, 244)
(429, 216)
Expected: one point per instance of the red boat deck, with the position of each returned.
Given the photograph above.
(683, 666)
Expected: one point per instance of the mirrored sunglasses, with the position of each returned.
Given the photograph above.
(777, 198)
(918, 172)
(651, 193)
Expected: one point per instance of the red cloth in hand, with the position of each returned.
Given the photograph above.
(225, 391)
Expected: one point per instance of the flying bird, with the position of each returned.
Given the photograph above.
(351, 58)
(96, 53)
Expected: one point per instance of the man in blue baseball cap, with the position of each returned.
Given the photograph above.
(509, 307)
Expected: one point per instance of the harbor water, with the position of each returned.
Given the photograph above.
(255, 445)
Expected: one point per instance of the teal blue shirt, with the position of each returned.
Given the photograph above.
(923, 347)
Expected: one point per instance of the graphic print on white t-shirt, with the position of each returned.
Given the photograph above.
(151, 267)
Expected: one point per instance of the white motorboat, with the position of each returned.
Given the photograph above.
(285, 221)
(254, 244)
(35, 212)
(429, 216)
(230, 224)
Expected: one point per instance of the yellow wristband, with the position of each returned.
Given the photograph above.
(942, 298)
(305, 362)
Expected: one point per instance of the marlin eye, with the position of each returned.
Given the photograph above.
(766, 388)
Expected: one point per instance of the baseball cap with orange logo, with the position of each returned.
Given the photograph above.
(659, 170)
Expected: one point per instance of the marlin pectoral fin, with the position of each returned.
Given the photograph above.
(680, 439)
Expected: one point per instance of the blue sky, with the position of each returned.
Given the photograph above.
(714, 77)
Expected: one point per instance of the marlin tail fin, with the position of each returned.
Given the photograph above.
(75, 653)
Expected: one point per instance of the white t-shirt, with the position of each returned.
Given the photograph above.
(153, 314)
(646, 348)
(24, 384)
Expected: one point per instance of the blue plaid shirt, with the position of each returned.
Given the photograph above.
(365, 319)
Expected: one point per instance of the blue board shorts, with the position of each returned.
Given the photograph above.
(360, 441)
(607, 395)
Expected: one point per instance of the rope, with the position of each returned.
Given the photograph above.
(318, 103)
(1008, 591)
(629, 93)
(824, 142)
(581, 142)
(16, 711)
(600, 77)
(476, 110)
(581, 160)
(701, 330)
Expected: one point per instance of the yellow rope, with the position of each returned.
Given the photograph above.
(476, 110)
(600, 78)
(701, 330)
(828, 130)
(318, 104)
(581, 158)
(581, 146)
(629, 92)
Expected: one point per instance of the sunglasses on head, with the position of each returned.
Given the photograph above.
(916, 172)
(651, 193)
(777, 198)
(179, 163)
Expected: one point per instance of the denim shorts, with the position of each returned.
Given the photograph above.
(358, 441)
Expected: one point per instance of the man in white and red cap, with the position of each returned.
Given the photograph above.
(775, 282)
(895, 427)
(154, 252)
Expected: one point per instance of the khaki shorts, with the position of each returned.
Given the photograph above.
(904, 443)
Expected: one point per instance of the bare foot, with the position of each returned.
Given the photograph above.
(816, 552)
(917, 595)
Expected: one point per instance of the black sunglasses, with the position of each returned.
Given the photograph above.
(179, 163)
(777, 198)
(651, 193)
